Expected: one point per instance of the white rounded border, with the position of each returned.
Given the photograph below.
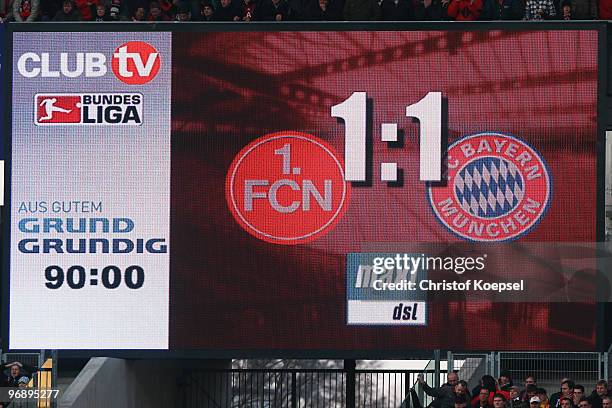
(528, 228)
(245, 154)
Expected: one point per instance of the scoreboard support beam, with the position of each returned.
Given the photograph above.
(349, 368)
(436, 368)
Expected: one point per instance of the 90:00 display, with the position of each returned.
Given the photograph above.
(111, 277)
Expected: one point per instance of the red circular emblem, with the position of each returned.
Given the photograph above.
(287, 188)
(498, 188)
(136, 62)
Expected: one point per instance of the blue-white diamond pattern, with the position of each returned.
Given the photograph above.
(489, 187)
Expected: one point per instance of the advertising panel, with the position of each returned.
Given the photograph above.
(90, 190)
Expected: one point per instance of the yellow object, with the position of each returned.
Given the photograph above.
(44, 382)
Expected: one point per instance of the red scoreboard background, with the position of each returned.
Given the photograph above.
(230, 290)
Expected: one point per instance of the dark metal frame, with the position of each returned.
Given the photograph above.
(347, 382)
(599, 26)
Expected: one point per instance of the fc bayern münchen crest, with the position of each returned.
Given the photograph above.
(497, 188)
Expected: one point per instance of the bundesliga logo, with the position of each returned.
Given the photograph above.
(497, 189)
(88, 109)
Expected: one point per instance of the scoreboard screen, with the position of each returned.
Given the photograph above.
(338, 192)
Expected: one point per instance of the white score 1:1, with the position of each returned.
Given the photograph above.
(429, 113)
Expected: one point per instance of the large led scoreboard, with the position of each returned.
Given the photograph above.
(308, 190)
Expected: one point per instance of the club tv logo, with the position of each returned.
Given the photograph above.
(498, 188)
(136, 63)
(133, 63)
(88, 109)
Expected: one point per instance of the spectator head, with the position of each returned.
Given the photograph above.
(504, 378)
(584, 403)
(115, 9)
(530, 379)
(567, 388)
(139, 14)
(541, 392)
(483, 395)
(514, 392)
(100, 10)
(488, 382)
(461, 401)
(566, 402)
(531, 390)
(452, 378)
(601, 388)
(206, 9)
(183, 12)
(67, 6)
(461, 388)
(606, 402)
(499, 401)
(154, 9)
(578, 393)
(534, 402)
(225, 3)
(15, 371)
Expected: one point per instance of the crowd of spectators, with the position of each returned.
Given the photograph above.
(503, 393)
(15, 375)
(302, 10)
